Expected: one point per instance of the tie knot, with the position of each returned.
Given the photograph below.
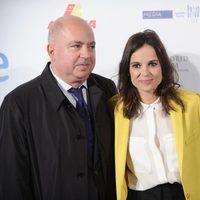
(77, 94)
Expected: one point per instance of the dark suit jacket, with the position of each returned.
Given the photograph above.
(43, 153)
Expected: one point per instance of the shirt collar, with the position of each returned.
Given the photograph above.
(62, 84)
(156, 105)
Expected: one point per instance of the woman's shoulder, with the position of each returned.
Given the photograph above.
(188, 96)
(187, 93)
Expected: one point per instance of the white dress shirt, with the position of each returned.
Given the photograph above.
(152, 157)
(65, 89)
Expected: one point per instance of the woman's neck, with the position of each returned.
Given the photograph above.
(148, 98)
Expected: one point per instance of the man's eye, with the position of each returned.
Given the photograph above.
(77, 46)
(92, 46)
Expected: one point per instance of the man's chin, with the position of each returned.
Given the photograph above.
(82, 78)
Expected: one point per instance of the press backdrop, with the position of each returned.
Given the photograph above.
(24, 27)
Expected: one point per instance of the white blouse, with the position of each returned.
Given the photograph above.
(152, 157)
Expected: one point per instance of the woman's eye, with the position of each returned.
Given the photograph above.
(135, 66)
(153, 64)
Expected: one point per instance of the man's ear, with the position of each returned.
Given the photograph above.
(50, 50)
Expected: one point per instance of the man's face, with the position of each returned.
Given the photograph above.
(73, 54)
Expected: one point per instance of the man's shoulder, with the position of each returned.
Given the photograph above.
(106, 84)
(24, 89)
(100, 77)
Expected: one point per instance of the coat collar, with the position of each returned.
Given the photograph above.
(51, 88)
(94, 92)
(56, 96)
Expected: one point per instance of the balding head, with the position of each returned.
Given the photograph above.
(66, 23)
(71, 49)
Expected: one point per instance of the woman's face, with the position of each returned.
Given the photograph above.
(145, 70)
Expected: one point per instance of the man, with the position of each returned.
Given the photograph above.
(45, 152)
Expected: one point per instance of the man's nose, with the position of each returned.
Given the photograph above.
(85, 52)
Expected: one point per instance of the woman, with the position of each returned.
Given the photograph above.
(157, 142)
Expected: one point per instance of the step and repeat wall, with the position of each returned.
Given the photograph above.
(24, 28)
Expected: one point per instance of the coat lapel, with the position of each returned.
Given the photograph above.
(95, 94)
(177, 123)
(122, 125)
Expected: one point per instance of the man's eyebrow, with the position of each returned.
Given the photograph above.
(92, 43)
(75, 42)
(79, 42)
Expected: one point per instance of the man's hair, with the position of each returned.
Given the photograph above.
(54, 28)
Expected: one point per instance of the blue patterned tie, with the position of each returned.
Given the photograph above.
(83, 110)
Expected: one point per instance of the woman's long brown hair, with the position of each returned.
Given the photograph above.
(167, 89)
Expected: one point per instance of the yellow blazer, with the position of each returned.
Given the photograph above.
(186, 127)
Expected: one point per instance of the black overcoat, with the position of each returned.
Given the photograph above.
(43, 151)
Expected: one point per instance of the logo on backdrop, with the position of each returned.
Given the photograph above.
(3, 65)
(157, 14)
(180, 62)
(191, 12)
(75, 9)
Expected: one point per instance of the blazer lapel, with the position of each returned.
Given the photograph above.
(122, 126)
(177, 124)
